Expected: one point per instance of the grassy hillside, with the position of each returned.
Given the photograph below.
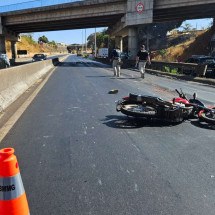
(32, 47)
(194, 43)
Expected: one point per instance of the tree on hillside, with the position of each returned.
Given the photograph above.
(29, 38)
(187, 27)
(102, 39)
(53, 43)
(43, 39)
(30, 35)
(154, 35)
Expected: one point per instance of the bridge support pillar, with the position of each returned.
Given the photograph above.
(119, 42)
(2, 38)
(14, 49)
(2, 44)
(139, 13)
(133, 41)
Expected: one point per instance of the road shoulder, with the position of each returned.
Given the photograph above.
(10, 115)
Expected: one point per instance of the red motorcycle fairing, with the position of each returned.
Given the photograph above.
(126, 98)
(181, 100)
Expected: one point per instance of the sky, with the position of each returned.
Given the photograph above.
(199, 24)
(78, 36)
(72, 36)
(69, 36)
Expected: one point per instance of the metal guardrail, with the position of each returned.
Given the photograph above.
(182, 68)
(2, 64)
(27, 4)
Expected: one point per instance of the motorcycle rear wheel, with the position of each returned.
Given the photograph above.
(139, 110)
(207, 116)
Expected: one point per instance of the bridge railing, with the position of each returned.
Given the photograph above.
(180, 68)
(172, 67)
(27, 4)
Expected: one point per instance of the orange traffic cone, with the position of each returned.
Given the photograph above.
(13, 200)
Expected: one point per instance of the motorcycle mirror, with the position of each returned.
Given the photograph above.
(182, 95)
(194, 96)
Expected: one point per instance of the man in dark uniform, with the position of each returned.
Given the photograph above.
(141, 59)
(116, 61)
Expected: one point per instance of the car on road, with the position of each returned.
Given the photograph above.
(124, 56)
(204, 60)
(39, 57)
(4, 61)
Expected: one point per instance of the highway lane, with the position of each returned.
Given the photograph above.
(79, 156)
(25, 60)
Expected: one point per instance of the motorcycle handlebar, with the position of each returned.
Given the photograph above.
(182, 95)
(178, 92)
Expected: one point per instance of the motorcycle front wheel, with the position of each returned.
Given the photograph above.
(139, 110)
(207, 116)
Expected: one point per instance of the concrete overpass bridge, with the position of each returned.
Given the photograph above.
(121, 16)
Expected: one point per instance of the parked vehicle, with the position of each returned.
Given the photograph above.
(103, 53)
(124, 56)
(4, 60)
(202, 60)
(39, 57)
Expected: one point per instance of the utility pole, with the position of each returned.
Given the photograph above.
(85, 40)
(82, 43)
(95, 44)
(147, 38)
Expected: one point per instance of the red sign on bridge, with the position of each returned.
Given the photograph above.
(140, 7)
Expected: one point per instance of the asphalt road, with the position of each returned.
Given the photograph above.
(78, 156)
(25, 60)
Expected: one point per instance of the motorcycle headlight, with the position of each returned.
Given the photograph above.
(118, 105)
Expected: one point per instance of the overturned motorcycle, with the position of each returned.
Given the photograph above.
(151, 108)
(176, 111)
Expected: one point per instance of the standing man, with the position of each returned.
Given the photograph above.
(116, 61)
(142, 58)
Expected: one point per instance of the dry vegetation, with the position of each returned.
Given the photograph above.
(198, 44)
(33, 47)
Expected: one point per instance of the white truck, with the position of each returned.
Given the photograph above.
(103, 52)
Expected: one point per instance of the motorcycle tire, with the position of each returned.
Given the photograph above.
(207, 116)
(139, 110)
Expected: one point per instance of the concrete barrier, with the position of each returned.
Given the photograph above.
(15, 81)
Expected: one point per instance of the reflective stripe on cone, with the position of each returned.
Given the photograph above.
(13, 199)
(11, 187)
